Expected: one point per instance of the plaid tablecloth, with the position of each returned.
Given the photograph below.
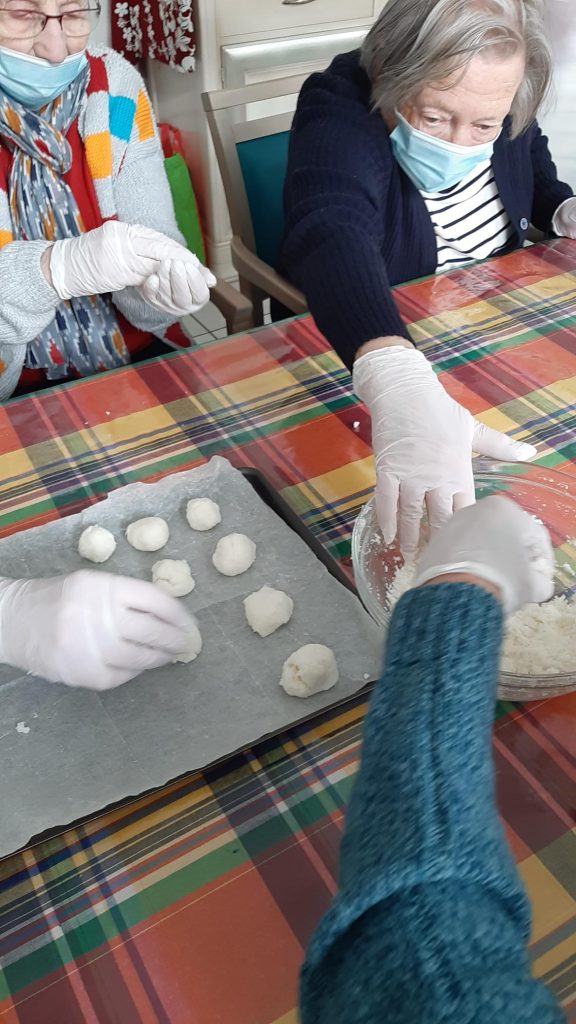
(194, 905)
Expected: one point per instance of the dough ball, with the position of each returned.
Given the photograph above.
(148, 534)
(268, 609)
(203, 513)
(309, 670)
(96, 544)
(173, 576)
(193, 646)
(234, 554)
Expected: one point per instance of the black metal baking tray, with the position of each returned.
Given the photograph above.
(281, 507)
(276, 502)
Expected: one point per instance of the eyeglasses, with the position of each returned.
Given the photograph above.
(28, 24)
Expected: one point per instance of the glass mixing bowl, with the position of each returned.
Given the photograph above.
(548, 494)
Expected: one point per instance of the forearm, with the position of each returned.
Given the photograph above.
(344, 279)
(423, 806)
(27, 300)
(142, 195)
(430, 905)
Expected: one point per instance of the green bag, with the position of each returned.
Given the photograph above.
(185, 206)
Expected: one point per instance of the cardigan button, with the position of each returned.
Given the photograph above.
(523, 224)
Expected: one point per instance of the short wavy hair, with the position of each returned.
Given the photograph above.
(416, 42)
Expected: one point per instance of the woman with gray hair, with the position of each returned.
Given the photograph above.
(417, 154)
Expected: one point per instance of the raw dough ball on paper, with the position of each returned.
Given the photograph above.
(193, 646)
(234, 554)
(268, 609)
(148, 534)
(173, 576)
(309, 670)
(96, 544)
(203, 513)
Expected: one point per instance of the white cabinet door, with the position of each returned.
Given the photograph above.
(243, 63)
(238, 18)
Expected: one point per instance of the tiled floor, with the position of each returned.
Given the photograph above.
(208, 323)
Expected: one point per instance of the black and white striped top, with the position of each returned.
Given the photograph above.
(469, 220)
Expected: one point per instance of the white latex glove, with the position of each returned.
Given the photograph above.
(499, 542)
(178, 287)
(110, 258)
(89, 628)
(423, 442)
(564, 220)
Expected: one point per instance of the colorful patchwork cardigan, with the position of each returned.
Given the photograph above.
(126, 163)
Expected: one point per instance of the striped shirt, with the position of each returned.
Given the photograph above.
(469, 219)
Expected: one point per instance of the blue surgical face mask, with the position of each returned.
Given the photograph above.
(35, 82)
(434, 164)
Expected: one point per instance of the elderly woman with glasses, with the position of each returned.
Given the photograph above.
(418, 154)
(92, 264)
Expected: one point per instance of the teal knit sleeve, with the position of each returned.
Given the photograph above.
(430, 923)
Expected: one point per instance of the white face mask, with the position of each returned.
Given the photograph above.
(434, 164)
(34, 82)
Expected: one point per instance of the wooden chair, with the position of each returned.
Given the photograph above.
(252, 153)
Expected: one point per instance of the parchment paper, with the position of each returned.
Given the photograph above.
(85, 750)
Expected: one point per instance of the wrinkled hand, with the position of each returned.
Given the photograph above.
(89, 628)
(499, 542)
(178, 286)
(110, 258)
(564, 220)
(423, 442)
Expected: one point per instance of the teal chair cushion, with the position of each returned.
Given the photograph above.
(263, 164)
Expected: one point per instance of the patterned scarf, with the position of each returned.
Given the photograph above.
(84, 335)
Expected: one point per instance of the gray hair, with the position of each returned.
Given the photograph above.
(416, 42)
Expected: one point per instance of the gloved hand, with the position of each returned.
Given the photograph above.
(178, 286)
(89, 628)
(564, 220)
(110, 258)
(499, 542)
(423, 442)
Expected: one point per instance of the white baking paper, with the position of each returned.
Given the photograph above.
(86, 750)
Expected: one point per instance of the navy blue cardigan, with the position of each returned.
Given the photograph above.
(354, 222)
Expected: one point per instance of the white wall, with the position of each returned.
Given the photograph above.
(559, 120)
(102, 33)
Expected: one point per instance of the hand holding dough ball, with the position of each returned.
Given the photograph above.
(193, 646)
(148, 534)
(173, 576)
(203, 513)
(309, 670)
(268, 609)
(96, 544)
(234, 554)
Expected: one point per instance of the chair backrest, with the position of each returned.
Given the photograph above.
(252, 153)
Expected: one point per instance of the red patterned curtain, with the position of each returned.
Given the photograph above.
(162, 29)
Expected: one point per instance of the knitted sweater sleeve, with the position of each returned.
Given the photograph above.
(431, 922)
(142, 196)
(335, 183)
(27, 305)
(549, 191)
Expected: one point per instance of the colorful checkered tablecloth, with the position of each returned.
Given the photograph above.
(194, 904)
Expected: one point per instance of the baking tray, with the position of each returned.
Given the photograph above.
(276, 502)
(280, 508)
